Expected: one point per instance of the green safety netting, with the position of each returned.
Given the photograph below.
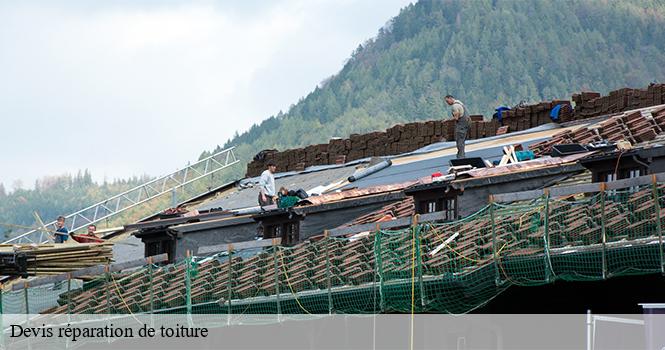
(452, 267)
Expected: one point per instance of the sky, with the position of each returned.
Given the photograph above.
(125, 88)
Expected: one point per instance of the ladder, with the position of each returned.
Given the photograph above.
(135, 196)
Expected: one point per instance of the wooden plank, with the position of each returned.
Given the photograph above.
(579, 188)
(517, 196)
(237, 246)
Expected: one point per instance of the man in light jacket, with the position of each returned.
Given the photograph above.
(267, 193)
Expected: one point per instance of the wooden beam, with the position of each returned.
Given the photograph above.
(237, 246)
(580, 188)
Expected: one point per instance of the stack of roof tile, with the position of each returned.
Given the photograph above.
(393, 211)
(529, 116)
(633, 127)
(592, 104)
(400, 138)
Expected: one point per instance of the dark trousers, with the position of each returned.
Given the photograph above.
(461, 131)
(268, 200)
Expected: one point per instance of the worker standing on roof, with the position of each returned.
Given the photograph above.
(267, 192)
(61, 233)
(462, 123)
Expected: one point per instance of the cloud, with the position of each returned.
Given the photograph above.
(125, 88)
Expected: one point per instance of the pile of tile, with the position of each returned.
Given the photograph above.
(592, 104)
(633, 127)
(401, 209)
(398, 139)
(530, 116)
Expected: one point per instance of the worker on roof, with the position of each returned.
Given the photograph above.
(91, 230)
(61, 232)
(462, 123)
(267, 194)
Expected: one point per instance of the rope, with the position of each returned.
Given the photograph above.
(295, 295)
(413, 280)
(122, 299)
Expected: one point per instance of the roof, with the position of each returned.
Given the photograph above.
(239, 197)
(436, 157)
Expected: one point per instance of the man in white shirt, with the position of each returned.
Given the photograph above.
(267, 193)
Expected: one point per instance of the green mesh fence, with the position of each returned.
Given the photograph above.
(452, 267)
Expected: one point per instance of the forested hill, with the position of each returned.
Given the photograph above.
(486, 52)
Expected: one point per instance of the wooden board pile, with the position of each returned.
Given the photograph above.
(632, 127)
(592, 104)
(398, 139)
(52, 259)
(530, 116)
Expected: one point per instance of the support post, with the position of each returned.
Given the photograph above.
(379, 266)
(26, 286)
(229, 284)
(1, 292)
(107, 276)
(589, 332)
(275, 252)
(417, 227)
(69, 293)
(326, 238)
(150, 285)
(546, 237)
(377, 228)
(603, 188)
(188, 282)
(495, 255)
(659, 228)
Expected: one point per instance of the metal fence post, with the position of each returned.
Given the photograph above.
(379, 267)
(417, 236)
(188, 282)
(497, 278)
(69, 293)
(151, 286)
(1, 292)
(229, 284)
(546, 236)
(26, 286)
(326, 238)
(108, 291)
(275, 252)
(659, 228)
(603, 188)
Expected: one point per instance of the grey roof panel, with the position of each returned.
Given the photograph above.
(247, 197)
(415, 170)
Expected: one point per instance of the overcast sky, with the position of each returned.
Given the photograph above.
(128, 87)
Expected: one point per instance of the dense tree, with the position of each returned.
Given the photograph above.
(486, 52)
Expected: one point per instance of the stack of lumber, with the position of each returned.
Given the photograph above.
(592, 104)
(401, 138)
(52, 259)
